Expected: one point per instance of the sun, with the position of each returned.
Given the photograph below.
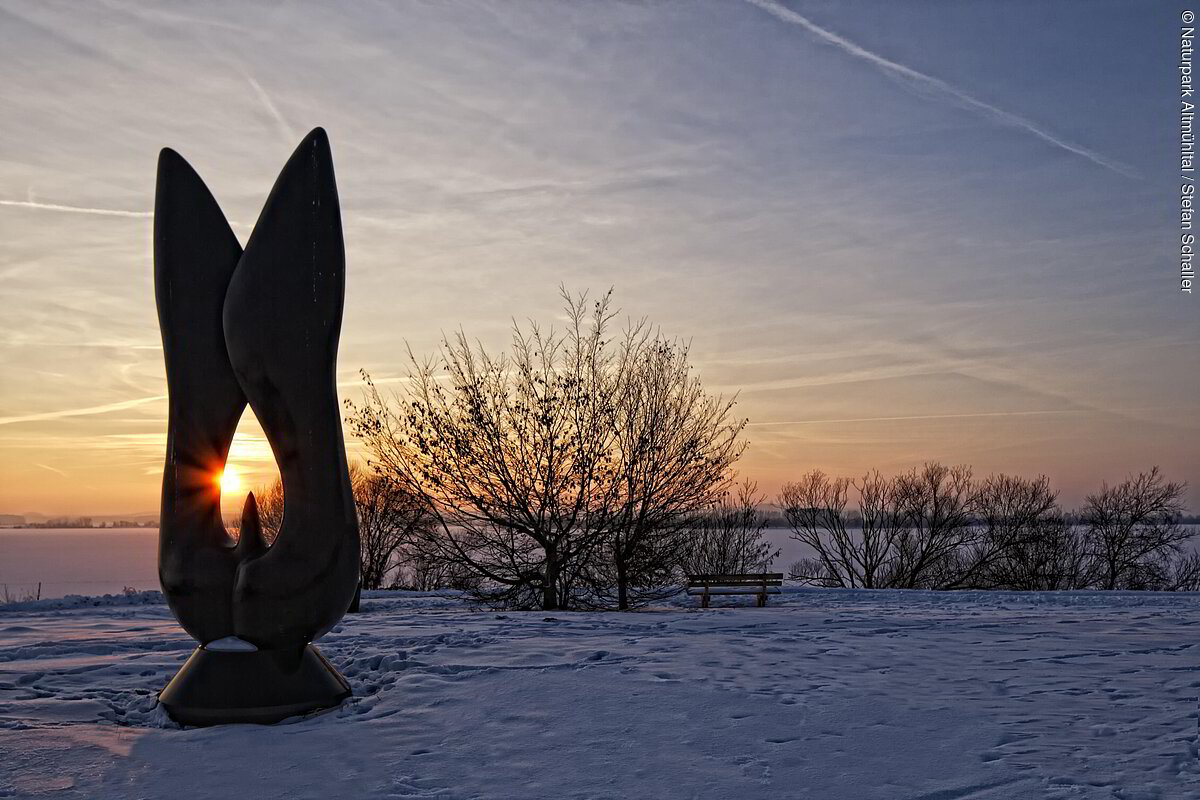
(229, 480)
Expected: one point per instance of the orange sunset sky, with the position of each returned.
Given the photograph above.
(894, 246)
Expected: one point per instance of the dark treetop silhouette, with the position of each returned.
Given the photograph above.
(258, 326)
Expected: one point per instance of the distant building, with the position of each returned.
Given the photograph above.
(11, 520)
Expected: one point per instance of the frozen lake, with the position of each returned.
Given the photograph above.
(78, 560)
(92, 561)
(105, 560)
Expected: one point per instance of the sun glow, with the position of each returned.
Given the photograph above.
(229, 480)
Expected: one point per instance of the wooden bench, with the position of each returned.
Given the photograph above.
(756, 583)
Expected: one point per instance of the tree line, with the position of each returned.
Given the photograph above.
(588, 468)
(936, 527)
(939, 527)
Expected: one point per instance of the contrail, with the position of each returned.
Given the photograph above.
(919, 416)
(940, 87)
(284, 127)
(103, 212)
(52, 469)
(82, 412)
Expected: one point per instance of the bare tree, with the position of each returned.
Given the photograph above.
(389, 517)
(729, 537)
(1179, 572)
(674, 450)
(423, 568)
(1131, 527)
(1010, 514)
(935, 503)
(510, 454)
(1052, 557)
(560, 474)
(815, 510)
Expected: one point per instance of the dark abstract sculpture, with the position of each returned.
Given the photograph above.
(258, 326)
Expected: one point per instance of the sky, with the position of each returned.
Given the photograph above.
(899, 231)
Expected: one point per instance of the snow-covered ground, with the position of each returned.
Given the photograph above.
(824, 694)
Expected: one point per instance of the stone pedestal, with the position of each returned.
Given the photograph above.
(216, 687)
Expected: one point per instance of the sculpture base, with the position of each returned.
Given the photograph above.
(217, 687)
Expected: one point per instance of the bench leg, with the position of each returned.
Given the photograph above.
(762, 601)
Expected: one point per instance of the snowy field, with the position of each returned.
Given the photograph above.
(825, 694)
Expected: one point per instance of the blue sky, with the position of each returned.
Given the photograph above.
(902, 230)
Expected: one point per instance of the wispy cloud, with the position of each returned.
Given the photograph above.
(52, 469)
(647, 148)
(940, 88)
(81, 412)
(101, 345)
(284, 127)
(102, 212)
(917, 417)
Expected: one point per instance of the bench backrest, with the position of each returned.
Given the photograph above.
(745, 579)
